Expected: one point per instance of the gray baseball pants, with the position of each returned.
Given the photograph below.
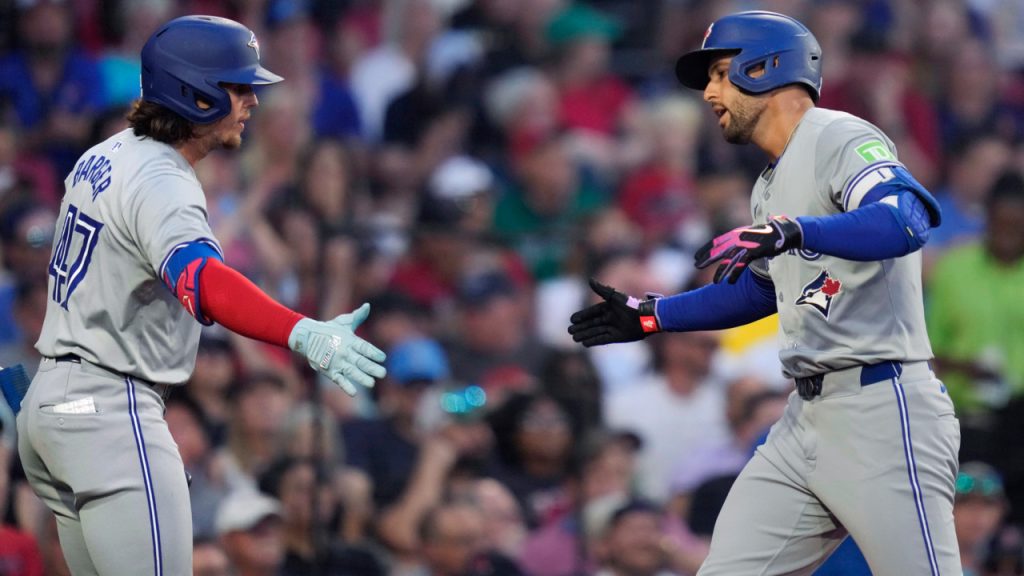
(97, 451)
(876, 462)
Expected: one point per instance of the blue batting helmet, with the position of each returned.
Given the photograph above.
(786, 48)
(188, 58)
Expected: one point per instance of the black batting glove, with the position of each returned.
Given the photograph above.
(741, 246)
(619, 318)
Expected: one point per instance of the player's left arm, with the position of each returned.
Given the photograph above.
(890, 214)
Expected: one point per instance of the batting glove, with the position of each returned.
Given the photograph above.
(741, 246)
(333, 349)
(619, 318)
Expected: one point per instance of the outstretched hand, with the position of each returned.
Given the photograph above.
(617, 318)
(333, 349)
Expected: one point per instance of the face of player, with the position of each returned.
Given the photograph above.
(738, 113)
(227, 132)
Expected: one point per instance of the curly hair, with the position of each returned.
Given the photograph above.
(157, 122)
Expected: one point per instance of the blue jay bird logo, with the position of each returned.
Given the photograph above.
(254, 44)
(820, 292)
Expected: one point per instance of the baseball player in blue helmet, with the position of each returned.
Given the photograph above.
(135, 271)
(868, 444)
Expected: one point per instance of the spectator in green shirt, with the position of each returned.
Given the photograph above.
(976, 307)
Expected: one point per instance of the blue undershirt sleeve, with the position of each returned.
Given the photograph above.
(718, 306)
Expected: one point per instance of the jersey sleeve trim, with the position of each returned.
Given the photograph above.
(181, 272)
(865, 180)
(183, 245)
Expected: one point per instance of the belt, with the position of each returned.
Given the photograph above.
(810, 386)
(162, 390)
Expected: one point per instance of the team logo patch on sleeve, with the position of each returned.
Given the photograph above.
(820, 292)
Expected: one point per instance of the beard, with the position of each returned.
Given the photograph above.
(231, 141)
(743, 119)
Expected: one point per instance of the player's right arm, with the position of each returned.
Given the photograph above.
(166, 216)
(622, 318)
(214, 292)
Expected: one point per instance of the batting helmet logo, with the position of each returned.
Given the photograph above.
(255, 45)
(706, 34)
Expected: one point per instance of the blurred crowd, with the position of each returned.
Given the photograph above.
(465, 166)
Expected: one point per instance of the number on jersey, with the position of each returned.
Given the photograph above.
(66, 277)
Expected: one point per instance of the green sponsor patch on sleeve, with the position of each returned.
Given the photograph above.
(874, 151)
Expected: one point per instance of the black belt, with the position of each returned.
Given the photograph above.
(163, 390)
(810, 386)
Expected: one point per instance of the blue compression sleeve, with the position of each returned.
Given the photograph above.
(718, 306)
(877, 231)
(892, 215)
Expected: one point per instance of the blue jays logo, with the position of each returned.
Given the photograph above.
(255, 45)
(820, 292)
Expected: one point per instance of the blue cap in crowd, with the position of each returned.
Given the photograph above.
(417, 360)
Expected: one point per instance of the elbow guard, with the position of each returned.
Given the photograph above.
(914, 208)
(181, 271)
(913, 217)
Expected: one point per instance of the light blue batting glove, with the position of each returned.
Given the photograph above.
(333, 349)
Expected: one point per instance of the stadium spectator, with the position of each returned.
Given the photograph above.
(385, 448)
(539, 214)
(533, 443)
(486, 299)
(970, 298)
(259, 406)
(978, 511)
(387, 70)
(209, 559)
(677, 407)
(19, 552)
(249, 527)
(602, 476)
(27, 312)
(309, 512)
(635, 543)
(974, 165)
(52, 85)
(751, 409)
(453, 544)
(207, 486)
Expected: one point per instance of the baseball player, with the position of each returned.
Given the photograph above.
(134, 272)
(868, 443)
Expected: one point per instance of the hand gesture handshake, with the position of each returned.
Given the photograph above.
(619, 318)
(333, 349)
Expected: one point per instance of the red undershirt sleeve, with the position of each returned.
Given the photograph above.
(234, 302)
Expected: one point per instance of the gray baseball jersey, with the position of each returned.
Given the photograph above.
(129, 203)
(836, 313)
